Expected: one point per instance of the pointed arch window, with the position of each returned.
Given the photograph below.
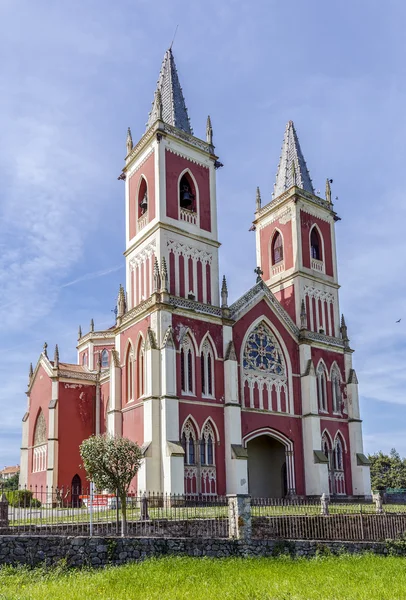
(187, 366)
(338, 466)
(142, 197)
(189, 443)
(207, 369)
(130, 374)
(39, 456)
(84, 359)
(277, 248)
(315, 244)
(187, 193)
(140, 369)
(336, 390)
(104, 359)
(207, 446)
(322, 388)
(326, 447)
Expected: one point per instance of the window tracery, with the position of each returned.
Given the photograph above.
(265, 383)
(104, 359)
(336, 390)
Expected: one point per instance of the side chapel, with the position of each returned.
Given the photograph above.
(256, 396)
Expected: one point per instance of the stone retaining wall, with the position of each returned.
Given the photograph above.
(101, 551)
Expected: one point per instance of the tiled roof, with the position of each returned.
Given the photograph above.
(8, 470)
(71, 367)
(292, 168)
(174, 111)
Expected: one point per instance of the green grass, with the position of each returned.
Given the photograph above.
(328, 578)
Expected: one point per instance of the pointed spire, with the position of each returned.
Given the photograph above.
(56, 356)
(121, 302)
(157, 277)
(45, 351)
(91, 325)
(209, 131)
(164, 276)
(129, 141)
(258, 199)
(328, 190)
(344, 332)
(80, 332)
(30, 374)
(292, 168)
(169, 105)
(224, 294)
(303, 316)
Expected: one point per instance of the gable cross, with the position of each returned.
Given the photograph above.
(259, 273)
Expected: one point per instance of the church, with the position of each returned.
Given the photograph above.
(254, 396)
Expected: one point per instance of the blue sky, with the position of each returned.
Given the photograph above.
(75, 75)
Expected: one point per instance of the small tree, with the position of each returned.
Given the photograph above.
(112, 463)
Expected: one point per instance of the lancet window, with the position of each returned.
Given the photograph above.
(142, 198)
(335, 454)
(322, 388)
(39, 458)
(130, 374)
(140, 369)
(336, 390)
(187, 196)
(315, 244)
(207, 369)
(264, 373)
(104, 359)
(277, 249)
(187, 366)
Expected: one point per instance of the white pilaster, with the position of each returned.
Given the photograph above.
(52, 450)
(114, 415)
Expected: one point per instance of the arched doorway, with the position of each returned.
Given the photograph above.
(267, 472)
(76, 491)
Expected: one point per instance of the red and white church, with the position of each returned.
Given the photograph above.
(256, 396)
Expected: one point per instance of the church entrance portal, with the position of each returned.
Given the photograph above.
(267, 473)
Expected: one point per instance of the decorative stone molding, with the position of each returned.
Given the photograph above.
(187, 157)
(180, 249)
(190, 139)
(253, 296)
(143, 254)
(139, 165)
(195, 306)
(283, 216)
(313, 292)
(230, 352)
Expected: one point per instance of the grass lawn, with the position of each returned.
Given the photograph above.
(343, 577)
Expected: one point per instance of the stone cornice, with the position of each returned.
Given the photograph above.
(297, 194)
(321, 338)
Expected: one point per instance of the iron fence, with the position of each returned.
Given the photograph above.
(44, 510)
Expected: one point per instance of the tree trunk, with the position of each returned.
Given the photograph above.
(123, 500)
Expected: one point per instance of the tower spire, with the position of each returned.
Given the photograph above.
(292, 168)
(172, 106)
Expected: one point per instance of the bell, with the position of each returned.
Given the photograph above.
(144, 203)
(185, 197)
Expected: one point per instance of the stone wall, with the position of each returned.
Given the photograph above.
(101, 551)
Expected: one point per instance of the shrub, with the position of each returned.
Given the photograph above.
(22, 499)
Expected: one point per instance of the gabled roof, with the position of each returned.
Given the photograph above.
(174, 111)
(255, 295)
(292, 168)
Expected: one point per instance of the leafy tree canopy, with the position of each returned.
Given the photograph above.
(387, 470)
(111, 463)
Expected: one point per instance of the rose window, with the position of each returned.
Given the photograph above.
(262, 353)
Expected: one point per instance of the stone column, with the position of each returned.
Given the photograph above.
(114, 415)
(239, 516)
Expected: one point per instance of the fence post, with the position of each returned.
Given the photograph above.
(3, 511)
(378, 498)
(324, 500)
(239, 516)
(144, 516)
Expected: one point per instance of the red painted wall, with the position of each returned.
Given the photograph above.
(147, 169)
(287, 298)
(174, 166)
(76, 406)
(307, 221)
(40, 397)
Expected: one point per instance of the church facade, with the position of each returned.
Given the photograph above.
(256, 396)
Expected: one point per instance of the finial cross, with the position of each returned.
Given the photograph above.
(259, 273)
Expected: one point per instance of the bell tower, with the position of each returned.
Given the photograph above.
(171, 211)
(295, 241)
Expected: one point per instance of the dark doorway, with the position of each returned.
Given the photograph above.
(267, 475)
(76, 491)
